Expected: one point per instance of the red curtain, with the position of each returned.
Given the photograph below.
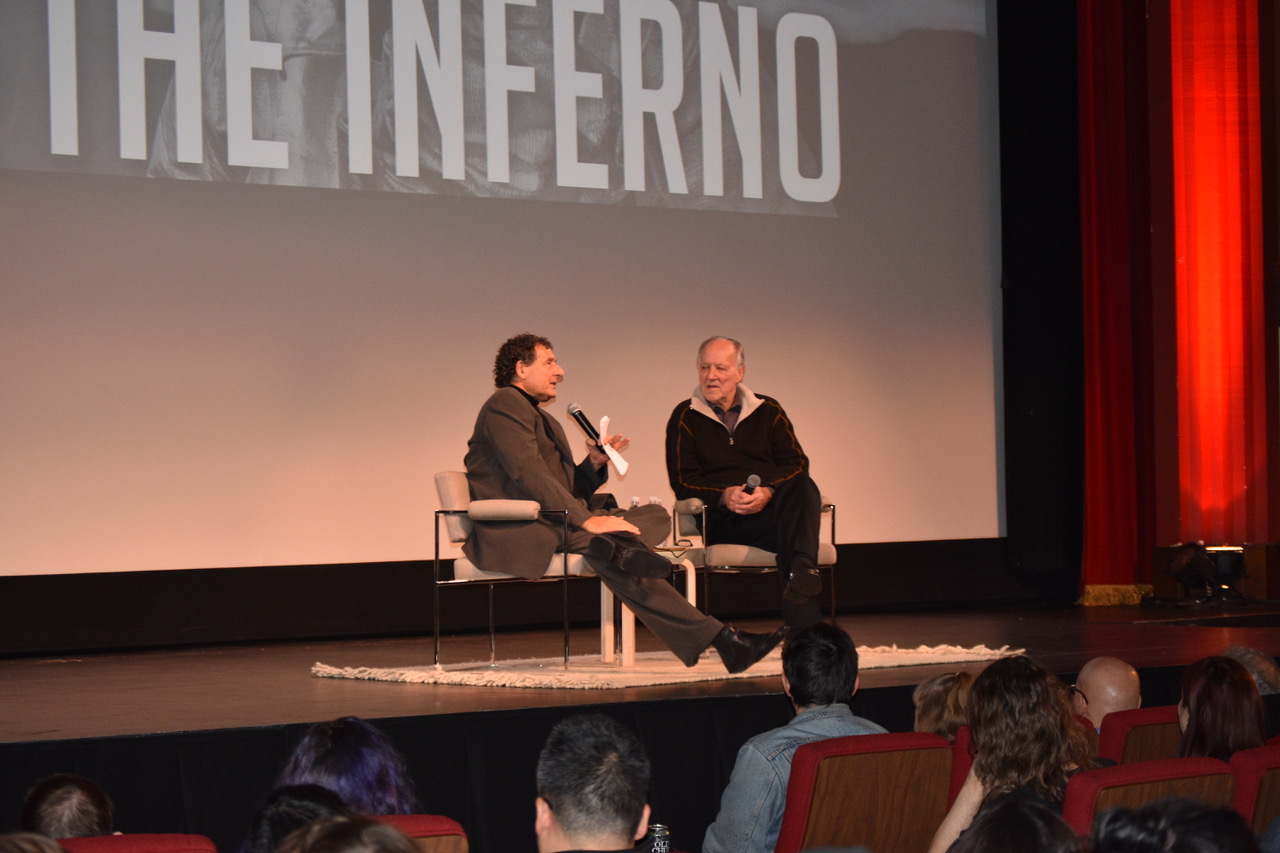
(1110, 552)
(1217, 185)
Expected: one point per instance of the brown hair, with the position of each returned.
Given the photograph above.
(941, 703)
(347, 835)
(1022, 731)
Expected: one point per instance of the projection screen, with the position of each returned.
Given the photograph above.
(256, 256)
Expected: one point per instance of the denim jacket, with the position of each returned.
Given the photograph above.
(751, 808)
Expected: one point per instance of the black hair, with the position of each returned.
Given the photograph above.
(594, 774)
(522, 348)
(821, 665)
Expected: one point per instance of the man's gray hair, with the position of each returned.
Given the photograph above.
(737, 346)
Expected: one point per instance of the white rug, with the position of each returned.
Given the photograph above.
(586, 672)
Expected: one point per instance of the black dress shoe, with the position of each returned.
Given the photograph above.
(803, 585)
(738, 650)
(633, 558)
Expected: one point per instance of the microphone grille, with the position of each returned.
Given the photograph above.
(753, 480)
(574, 408)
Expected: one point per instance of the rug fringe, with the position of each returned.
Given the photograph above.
(586, 672)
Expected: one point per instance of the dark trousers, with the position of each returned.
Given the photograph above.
(788, 526)
(681, 627)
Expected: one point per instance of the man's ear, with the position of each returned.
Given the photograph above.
(857, 680)
(643, 829)
(542, 817)
(786, 685)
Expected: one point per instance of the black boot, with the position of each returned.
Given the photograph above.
(803, 584)
(738, 650)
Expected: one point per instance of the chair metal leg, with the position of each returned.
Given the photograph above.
(493, 646)
(435, 597)
(564, 608)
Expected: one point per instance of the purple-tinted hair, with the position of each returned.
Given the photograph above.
(355, 760)
(1225, 712)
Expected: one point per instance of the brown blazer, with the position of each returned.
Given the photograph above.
(518, 451)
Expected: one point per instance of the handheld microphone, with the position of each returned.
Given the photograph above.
(592, 433)
(752, 482)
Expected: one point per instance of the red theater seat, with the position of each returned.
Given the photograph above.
(1257, 773)
(1091, 792)
(432, 833)
(1143, 734)
(140, 842)
(883, 792)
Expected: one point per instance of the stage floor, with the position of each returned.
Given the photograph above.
(229, 687)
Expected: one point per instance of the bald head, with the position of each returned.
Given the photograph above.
(1105, 685)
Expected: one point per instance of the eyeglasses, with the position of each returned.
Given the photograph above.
(1083, 697)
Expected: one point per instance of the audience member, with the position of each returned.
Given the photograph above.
(1025, 740)
(1262, 666)
(1269, 841)
(360, 834)
(1220, 711)
(1172, 826)
(1016, 825)
(1104, 685)
(65, 805)
(291, 808)
(29, 842)
(593, 787)
(820, 676)
(940, 704)
(356, 761)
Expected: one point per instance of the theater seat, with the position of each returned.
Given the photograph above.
(961, 761)
(140, 842)
(1257, 773)
(884, 792)
(1131, 786)
(1143, 734)
(432, 833)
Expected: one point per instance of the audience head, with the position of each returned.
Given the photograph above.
(1104, 685)
(65, 805)
(1022, 731)
(356, 761)
(288, 809)
(941, 702)
(515, 350)
(1262, 666)
(1220, 711)
(1172, 826)
(593, 786)
(29, 842)
(1017, 825)
(819, 666)
(360, 834)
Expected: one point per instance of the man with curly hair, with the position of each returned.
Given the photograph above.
(519, 452)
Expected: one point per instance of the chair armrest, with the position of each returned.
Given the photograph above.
(503, 510)
(689, 506)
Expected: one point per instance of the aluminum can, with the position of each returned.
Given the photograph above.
(659, 838)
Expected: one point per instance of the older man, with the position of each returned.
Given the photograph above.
(519, 452)
(1104, 685)
(721, 436)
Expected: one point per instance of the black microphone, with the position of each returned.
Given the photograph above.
(592, 433)
(752, 482)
